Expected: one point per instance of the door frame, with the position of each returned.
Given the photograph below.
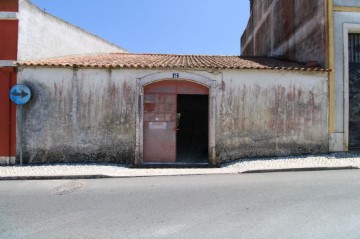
(180, 76)
(347, 29)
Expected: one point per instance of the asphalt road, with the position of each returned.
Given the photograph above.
(275, 205)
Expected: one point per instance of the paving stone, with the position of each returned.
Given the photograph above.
(311, 161)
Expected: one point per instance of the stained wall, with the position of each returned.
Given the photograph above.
(267, 113)
(89, 115)
(79, 116)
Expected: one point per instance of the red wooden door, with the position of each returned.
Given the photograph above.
(160, 110)
(160, 128)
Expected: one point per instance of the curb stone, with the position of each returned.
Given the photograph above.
(59, 177)
(297, 169)
(102, 176)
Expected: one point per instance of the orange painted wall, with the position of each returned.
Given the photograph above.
(8, 112)
(8, 39)
(8, 51)
(176, 87)
(9, 6)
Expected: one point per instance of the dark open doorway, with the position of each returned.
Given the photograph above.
(192, 128)
(354, 92)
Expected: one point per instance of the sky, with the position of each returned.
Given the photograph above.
(211, 27)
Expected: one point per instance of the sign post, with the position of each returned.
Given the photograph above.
(20, 95)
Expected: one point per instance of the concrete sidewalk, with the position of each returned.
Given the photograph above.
(62, 171)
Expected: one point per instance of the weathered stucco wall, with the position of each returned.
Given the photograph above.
(42, 35)
(292, 30)
(78, 116)
(89, 115)
(271, 113)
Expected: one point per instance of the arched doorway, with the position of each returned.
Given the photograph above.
(175, 122)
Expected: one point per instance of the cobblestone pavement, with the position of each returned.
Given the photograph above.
(254, 164)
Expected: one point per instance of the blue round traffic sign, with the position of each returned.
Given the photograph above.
(20, 94)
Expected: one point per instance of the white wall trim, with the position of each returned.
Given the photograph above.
(7, 160)
(148, 79)
(4, 63)
(347, 28)
(182, 76)
(8, 15)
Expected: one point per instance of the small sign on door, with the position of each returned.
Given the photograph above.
(157, 125)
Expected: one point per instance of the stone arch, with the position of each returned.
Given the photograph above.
(180, 76)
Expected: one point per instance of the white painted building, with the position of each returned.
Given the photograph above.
(43, 35)
(148, 108)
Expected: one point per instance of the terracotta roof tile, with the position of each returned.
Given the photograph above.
(169, 61)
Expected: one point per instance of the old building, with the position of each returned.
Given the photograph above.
(28, 32)
(156, 108)
(324, 32)
(153, 108)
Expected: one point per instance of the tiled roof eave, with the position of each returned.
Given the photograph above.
(169, 61)
(121, 66)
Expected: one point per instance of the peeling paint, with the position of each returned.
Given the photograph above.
(272, 116)
(89, 115)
